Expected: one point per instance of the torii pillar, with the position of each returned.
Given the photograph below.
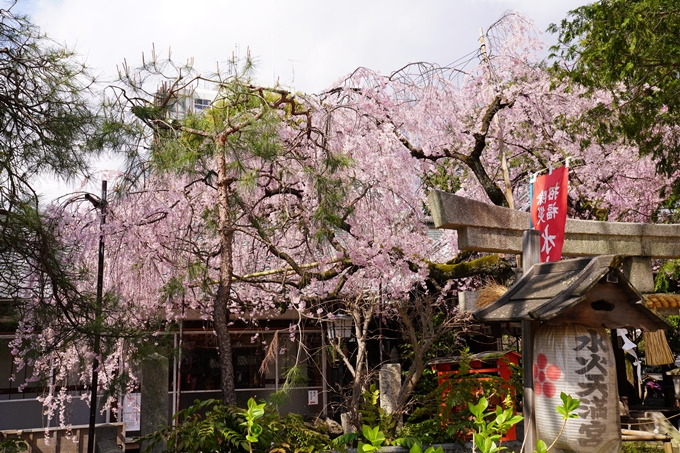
(484, 227)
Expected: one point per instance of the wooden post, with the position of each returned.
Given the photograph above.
(531, 254)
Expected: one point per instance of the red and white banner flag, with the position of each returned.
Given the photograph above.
(549, 212)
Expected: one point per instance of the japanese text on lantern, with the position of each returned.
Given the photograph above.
(595, 390)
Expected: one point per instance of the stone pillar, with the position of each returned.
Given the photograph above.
(531, 254)
(467, 301)
(106, 438)
(638, 271)
(154, 398)
(346, 423)
(390, 384)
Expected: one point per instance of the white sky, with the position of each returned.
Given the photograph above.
(304, 44)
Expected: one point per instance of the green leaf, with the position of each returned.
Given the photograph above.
(373, 435)
(514, 420)
(541, 447)
(568, 407)
(256, 430)
(255, 410)
(479, 408)
(366, 431)
(363, 448)
(344, 439)
(485, 444)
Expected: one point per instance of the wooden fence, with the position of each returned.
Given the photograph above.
(68, 440)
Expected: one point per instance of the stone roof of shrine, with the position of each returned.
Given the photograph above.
(590, 291)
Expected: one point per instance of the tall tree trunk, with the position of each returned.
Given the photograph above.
(221, 303)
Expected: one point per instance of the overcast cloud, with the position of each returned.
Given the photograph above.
(304, 44)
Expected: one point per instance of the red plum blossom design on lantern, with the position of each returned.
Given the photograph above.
(544, 376)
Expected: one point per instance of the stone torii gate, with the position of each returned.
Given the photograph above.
(484, 227)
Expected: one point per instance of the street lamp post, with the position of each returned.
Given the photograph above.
(338, 328)
(101, 205)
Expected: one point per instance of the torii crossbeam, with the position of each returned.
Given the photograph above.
(484, 227)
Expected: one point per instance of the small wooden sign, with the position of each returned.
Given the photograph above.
(313, 397)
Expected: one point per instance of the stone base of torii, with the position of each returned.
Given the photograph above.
(483, 227)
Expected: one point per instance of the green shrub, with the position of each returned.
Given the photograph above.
(207, 426)
(13, 445)
(210, 426)
(293, 434)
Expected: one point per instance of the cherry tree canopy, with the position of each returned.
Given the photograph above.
(271, 201)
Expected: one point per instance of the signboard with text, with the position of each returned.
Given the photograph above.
(549, 212)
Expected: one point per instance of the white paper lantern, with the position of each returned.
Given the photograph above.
(578, 361)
